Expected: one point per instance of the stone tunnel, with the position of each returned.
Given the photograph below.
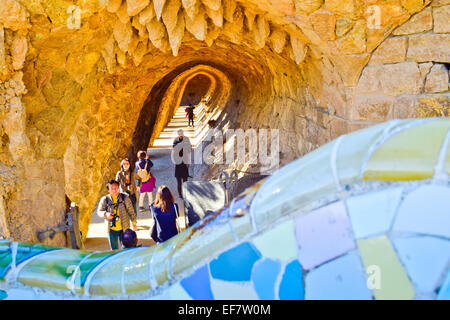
(84, 83)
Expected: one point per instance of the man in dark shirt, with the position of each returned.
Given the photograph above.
(190, 112)
(182, 165)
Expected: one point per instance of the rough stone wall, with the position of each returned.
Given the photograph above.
(404, 76)
(82, 83)
(407, 75)
(32, 185)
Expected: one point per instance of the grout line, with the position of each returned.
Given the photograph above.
(439, 169)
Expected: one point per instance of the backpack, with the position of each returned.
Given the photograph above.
(143, 173)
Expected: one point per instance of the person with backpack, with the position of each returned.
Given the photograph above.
(116, 208)
(145, 181)
(165, 213)
(127, 180)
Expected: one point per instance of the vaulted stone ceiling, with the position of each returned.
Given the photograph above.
(80, 79)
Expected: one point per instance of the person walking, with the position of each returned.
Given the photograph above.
(165, 213)
(127, 180)
(145, 181)
(116, 208)
(190, 113)
(181, 159)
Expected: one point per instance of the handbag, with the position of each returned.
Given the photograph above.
(154, 232)
(176, 219)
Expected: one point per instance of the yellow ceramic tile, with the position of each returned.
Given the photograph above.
(354, 148)
(409, 155)
(137, 273)
(388, 280)
(55, 269)
(103, 283)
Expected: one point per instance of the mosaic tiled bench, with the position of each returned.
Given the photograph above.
(366, 216)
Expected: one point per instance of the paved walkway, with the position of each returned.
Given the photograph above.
(163, 170)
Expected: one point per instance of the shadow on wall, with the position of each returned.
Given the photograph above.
(196, 90)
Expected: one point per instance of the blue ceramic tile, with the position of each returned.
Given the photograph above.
(235, 264)
(425, 259)
(197, 285)
(444, 292)
(3, 295)
(264, 277)
(425, 210)
(291, 286)
(372, 214)
(342, 278)
(323, 234)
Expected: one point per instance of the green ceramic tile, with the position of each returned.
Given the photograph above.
(285, 246)
(385, 271)
(25, 251)
(108, 279)
(5, 259)
(409, 155)
(54, 269)
(93, 260)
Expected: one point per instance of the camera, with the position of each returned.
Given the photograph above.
(112, 222)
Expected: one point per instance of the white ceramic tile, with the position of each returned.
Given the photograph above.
(372, 213)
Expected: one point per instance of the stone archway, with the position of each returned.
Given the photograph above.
(73, 93)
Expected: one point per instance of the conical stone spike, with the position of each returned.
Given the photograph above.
(139, 27)
(191, 7)
(298, 49)
(108, 54)
(146, 15)
(229, 7)
(156, 33)
(136, 6)
(216, 16)
(170, 14)
(213, 4)
(198, 25)
(122, 13)
(278, 39)
(177, 35)
(121, 57)
(213, 34)
(234, 30)
(261, 32)
(122, 33)
(140, 52)
(249, 18)
(133, 43)
(159, 6)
